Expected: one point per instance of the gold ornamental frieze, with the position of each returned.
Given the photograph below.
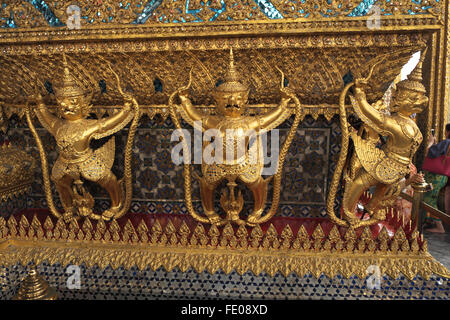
(315, 75)
(58, 14)
(153, 242)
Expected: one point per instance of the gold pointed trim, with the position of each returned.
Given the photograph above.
(211, 260)
(329, 251)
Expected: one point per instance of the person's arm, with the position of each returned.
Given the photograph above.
(414, 178)
(436, 150)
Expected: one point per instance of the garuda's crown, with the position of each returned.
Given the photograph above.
(68, 87)
(232, 79)
(414, 81)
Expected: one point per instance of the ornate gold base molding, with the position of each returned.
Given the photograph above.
(212, 259)
(300, 246)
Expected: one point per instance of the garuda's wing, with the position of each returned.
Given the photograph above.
(98, 165)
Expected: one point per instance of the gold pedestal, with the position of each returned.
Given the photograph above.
(34, 287)
(419, 190)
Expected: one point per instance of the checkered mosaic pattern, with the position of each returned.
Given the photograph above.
(134, 284)
(13, 205)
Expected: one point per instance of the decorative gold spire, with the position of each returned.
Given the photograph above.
(415, 79)
(232, 79)
(34, 287)
(68, 87)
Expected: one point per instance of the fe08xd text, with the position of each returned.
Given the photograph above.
(229, 309)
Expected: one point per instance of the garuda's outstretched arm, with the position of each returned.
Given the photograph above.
(108, 126)
(188, 111)
(368, 114)
(49, 121)
(276, 117)
(273, 119)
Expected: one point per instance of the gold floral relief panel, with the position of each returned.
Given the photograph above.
(316, 75)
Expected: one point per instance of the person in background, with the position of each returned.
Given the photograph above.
(435, 150)
(404, 206)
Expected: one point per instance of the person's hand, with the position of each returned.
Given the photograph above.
(417, 178)
(431, 140)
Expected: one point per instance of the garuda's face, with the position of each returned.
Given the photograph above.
(409, 102)
(231, 104)
(71, 108)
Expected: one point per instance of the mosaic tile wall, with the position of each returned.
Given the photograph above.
(139, 12)
(13, 205)
(147, 284)
(158, 182)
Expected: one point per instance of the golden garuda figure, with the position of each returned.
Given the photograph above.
(73, 133)
(232, 127)
(371, 165)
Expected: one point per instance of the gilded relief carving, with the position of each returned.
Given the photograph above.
(370, 166)
(235, 162)
(153, 47)
(77, 160)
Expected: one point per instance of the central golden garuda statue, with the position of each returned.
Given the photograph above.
(232, 127)
(371, 165)
(73, 133)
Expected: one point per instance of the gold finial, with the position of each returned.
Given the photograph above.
(34, 287)
(415, 79)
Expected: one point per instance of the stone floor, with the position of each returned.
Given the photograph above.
(439, 247)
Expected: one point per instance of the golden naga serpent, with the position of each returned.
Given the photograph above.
(127, 161)
(282, 157)
(343, 156)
